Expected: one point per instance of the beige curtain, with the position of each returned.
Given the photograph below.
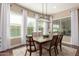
(24, 27)
(5, 17)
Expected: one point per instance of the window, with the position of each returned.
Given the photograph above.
(56, 26)
(62, 25)
(66, 26)
(43, 26)
(40, 26)
(15, 24)
(31, 25)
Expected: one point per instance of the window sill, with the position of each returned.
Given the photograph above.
(15, 37)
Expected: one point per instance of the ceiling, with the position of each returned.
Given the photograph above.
(51, 7)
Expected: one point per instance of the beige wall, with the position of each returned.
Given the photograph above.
(15, 41)
(15, 8)
(62, 14)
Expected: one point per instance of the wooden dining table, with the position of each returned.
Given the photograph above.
(40, 41)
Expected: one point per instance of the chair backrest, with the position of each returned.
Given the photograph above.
(40, 34)
(60, 37)
(37, 34)
(54, 41)
(50, 35)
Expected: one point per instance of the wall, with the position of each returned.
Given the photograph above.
(62, 14)
(15, 42)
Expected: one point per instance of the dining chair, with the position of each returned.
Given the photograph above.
(60, 37)
(40, 34)
(52, 45)
(30, 45)
(37, 35)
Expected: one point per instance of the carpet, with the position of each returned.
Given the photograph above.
(66, 51)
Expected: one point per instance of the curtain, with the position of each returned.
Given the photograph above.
(51, 25)
(0, 30)
(24, 26)
(74, 27)
(51, 28)
(36, 23)
(4, 22)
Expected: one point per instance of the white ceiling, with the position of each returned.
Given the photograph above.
(51, 7)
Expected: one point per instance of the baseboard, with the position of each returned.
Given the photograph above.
(13, 48)
(18, 46)
(70, 45)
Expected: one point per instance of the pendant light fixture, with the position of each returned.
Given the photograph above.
(44, 11)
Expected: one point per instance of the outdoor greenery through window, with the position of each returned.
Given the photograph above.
(56, 26)
(66, 26)
(43, 26)
(62, 25)
(15, 30)
(40, 26)
(15, 24)
(31, 25)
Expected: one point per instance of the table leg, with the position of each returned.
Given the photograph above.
(40, 49)
(30, 46)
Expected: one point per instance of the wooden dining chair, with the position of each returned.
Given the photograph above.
(30, 45)
(37, 35)
(52, 45)
(60, 37)
(40, 34)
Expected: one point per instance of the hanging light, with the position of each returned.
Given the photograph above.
(42, 9)
(46, 9)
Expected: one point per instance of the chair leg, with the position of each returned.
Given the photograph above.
(30, 53)
(55, 50)
(50, 52)
(60, 47)
(34, 45)
(25, 52)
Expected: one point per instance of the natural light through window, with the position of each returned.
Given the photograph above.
(55, 28)
(15, 24)
(15, 18)
(31, 25)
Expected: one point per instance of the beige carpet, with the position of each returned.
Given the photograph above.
(67, 39)
(66, 51)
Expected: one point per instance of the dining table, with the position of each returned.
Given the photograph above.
(40, 41)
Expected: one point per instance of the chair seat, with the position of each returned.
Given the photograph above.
(32, 48)
(46, 46)
(27, 43)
